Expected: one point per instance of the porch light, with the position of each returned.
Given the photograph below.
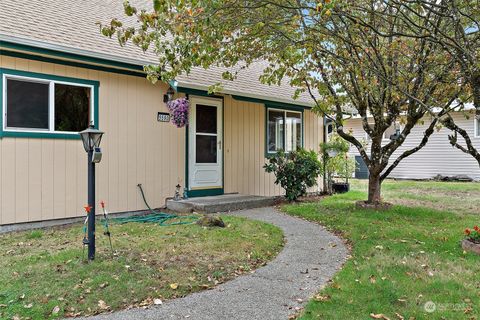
(91, 138)
(169, 96)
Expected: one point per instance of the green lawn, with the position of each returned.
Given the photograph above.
(402, 258)
(43, 275)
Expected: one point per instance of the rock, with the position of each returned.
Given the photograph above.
(468, 245)
(211, 221)
(460, 178)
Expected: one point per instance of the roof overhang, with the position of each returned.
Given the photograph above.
(92, 58)
(17, 43)
(248, 95)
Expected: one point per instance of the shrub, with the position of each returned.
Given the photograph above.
(295, 171)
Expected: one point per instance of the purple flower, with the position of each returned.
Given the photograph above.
(179, 111)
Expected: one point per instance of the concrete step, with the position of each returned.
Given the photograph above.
(223, 203)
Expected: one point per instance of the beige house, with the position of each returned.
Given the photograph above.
(57, 74)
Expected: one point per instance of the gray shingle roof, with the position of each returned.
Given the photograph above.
(71, 25)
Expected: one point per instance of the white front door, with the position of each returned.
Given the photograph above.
(205, 151)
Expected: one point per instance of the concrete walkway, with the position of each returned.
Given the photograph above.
(309, 259)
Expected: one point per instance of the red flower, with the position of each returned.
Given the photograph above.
(102, 204)
(476, 228)
(88, 208)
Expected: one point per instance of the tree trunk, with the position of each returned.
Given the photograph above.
(374, 188)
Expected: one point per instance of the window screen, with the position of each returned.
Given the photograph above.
(294, 131)
(284, 130)
(72, 107)
(27, 104)
(276, 133)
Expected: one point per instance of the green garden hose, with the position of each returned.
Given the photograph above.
(163, 219)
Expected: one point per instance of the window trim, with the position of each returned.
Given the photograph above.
(476, 124)
(384, 138)
(51, 79)
(387, 139)
(298, 110)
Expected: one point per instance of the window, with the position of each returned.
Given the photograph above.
(391, 131)
(43, 104)
(329, 130)
(386, 134)
(284, 130)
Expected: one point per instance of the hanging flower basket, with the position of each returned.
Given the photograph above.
(179, 109)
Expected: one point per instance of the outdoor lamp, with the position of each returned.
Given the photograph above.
(91, 139)
(169, 96)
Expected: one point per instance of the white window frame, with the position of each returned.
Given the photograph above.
(384, 138)
(285, 111)
(476, 123)
(51, 103)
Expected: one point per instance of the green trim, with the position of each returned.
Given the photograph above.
(196, 92)
(187, 178)
(269, 154)
(205, 193)
(48, 135)
(48, 76)
(66, 55)
(72, 63)
(272, 104)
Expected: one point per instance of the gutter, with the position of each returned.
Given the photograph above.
(238, 93)
(73, 51)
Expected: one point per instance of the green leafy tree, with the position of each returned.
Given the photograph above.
(295, 172)
(318, 47)
(455, 26)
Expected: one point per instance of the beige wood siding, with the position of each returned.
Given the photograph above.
(437, 157)
(42, 179)
(45, 179)
(245, 147)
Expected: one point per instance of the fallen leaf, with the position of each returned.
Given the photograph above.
(372, 279)
(157, 301)
(174, 286)
(399, 316)
(102, 305)
(28, 306)
(321, 298)
(379, 316)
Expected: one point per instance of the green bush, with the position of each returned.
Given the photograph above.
(295, 171)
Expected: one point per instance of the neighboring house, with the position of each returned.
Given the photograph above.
(438, 157)
(58, 73)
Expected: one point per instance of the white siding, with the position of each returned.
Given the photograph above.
(437, 157)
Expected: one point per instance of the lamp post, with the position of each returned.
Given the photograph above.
(91, 138)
